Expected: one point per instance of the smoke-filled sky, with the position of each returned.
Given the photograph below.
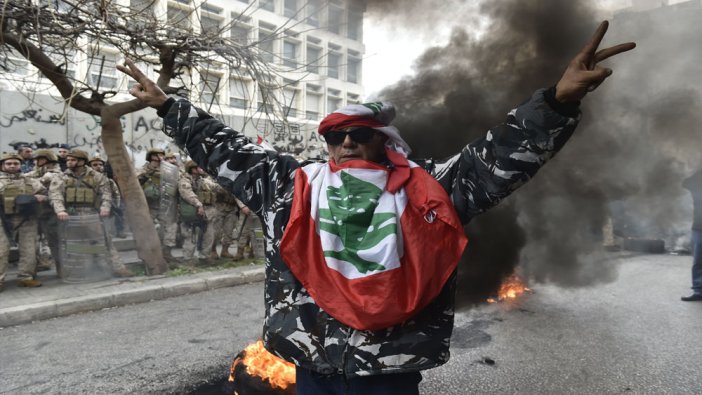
(637, 140)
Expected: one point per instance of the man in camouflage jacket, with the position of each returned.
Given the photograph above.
(16, 223)
(47, 168)
(91, 194)
(196, 189)
(484, 172)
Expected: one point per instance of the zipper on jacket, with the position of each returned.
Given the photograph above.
(344, 358)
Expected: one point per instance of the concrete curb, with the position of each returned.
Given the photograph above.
(169, 287)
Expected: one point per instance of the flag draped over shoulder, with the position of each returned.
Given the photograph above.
(369, 256)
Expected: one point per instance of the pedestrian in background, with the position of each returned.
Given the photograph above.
(694, 185)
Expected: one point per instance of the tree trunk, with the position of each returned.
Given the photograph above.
(147, 242)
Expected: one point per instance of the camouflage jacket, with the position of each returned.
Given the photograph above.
(86, 178)
(20, 183)
(46, 173)
(295, 328)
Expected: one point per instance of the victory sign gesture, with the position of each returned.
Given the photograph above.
(584, 74)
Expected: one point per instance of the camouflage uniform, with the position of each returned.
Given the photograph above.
(84, 191)
(225, 219)
(48, 223)
(198, 191)
(478, 177)
(149, 177)
(246, 226)
(24, 227)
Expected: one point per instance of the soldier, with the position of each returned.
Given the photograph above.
(224, 220)
(47, 168)
(83, 191)
(149, 177)
(171, 158)
(98, 164)
(246, 235)
(19, 197)
(197, 193)
(62, 152)
(27, 163)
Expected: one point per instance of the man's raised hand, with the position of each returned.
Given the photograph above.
(583, 73)
(145, 90)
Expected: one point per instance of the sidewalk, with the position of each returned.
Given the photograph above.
(56, 299)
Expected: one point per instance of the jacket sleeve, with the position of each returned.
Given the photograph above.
(104, 191)
(56, 191)
(491, 168)
(185, 190)
(255, 176)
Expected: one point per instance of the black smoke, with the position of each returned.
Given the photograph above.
(636, 141)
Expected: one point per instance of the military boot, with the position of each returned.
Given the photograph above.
(225, 252)
(167, 254)
(29, 283)
(122, 271)
(213, 254)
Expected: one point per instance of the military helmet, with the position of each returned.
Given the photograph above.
(47, 154)
(78, 154)
(96, 158)
(190, 165)
(154, 151)
(10, 155)
(170, 154)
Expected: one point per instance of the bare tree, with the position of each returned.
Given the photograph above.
(50, 33)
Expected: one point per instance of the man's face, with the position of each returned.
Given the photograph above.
(157, 158)
(74, 163)
(26, 152)
(97, 166)
(41, 161)
(372, 150)
(62, 152)
(11, 166)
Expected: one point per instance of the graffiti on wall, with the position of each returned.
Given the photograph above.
(44, 122)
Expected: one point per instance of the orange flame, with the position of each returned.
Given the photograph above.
(259, 362)
(510, 289)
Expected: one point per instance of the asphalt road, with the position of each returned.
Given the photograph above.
(630, 336)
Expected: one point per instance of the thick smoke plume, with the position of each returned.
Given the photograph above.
(636, 142)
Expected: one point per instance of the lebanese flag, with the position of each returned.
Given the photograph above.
(368, 257)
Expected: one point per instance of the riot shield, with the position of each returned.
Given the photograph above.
(168, 205)
(84, 253)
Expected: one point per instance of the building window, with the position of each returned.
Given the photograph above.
(58, 5)
(141, 5)
(353, 69)
(313, 8)
(209, 25)
(354, 28)
(312, 106)
(237, 93)
(290, 8)
(333, 62)
(333, 104)
(268, 5)
(290, 54)
(290, 100)
(209, 88)
(102, 71)
(266, 44)
(240, 34)
(178, 18)
(313, 57)
(335, 19)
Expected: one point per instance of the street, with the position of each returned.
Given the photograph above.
(630, 336)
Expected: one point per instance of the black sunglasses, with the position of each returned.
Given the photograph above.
(360, 135)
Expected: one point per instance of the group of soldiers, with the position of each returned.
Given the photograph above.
(39, 204)
(186, 202)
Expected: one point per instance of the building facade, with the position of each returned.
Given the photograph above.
(312, 48)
